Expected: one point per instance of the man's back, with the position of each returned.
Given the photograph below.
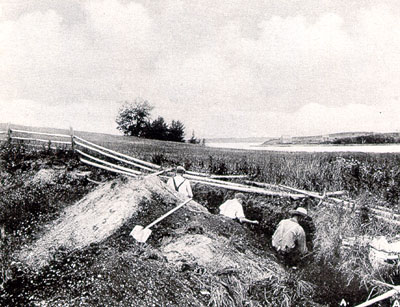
(288, 236)
(181, 185)
(232, 209)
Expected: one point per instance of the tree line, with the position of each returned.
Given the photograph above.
(387, 138)
(134, 119)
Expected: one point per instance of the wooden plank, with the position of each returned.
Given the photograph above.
(312, 194)
(245, 189)
(378, 212)
(84, 174)
(197, 174)
(9, 132)
(114, 157)
(41, 133)
(213, 180)
(119, 154)
(380, 297)
(269, 185)
(106, 168)
(261, 184)
(337, 193)
(238, 185)
(125, 169)
(228, 176)
(39, 140)
(42, 146)
(93, 181)
(160, 172)
(71, 132)
(394, 222)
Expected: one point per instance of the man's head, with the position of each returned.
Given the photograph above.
(299, 212)
(180, 170)
(240, 197)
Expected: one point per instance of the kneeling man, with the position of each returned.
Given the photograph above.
(289, 239)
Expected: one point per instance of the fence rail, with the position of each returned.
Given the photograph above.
(113, 156)
(41, 133)
(119, 154)
(10, 136)
(382, 213)
(106, 168)
(125, 169)
(40, 140)
(90, 160)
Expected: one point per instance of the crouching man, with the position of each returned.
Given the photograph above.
(289, 239)
(233, 208)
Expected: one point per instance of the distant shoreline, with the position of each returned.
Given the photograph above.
(366, 148)
(333, 145)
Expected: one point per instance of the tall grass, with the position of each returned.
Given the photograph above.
(369, 178)
(356, 173)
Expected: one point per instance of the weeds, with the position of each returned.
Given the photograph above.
(27, 204)
(356, 173)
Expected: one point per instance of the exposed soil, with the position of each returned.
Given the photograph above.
(81, 254)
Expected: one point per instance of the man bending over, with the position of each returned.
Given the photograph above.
(233, 208)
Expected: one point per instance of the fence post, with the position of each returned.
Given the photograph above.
(71, 131)
(8, 133)
(2, 232)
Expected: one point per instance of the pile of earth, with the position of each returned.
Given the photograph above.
(193, 257)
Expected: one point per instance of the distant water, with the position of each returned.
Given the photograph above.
(389, 148)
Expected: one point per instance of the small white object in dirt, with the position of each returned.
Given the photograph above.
(382, 252)
(44, 176)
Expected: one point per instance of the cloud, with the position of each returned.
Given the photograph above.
(226, 68)
(85, 115)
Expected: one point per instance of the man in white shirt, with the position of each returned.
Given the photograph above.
(180, 184)
(289, 239)
(233, 209)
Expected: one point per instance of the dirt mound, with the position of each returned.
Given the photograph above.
(215, 260)
(218, 254)
(94, 218)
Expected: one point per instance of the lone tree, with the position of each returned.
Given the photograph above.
(133, 117)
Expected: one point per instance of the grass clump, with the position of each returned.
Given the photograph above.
(117, 270)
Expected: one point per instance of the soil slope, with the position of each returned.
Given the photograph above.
(211, 259)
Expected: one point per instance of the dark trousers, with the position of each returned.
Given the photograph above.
(289, 258)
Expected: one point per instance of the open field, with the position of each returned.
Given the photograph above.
(356, 173)
(30, 202)
(353, 172)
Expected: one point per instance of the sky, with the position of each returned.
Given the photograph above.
(227, 68)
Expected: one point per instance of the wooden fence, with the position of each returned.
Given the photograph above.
(53, 141)
(94, 155)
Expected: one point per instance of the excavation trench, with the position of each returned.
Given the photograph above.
(332, 286)
(233, 262)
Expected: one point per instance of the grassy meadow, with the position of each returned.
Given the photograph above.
(356, 173)
(369, 179)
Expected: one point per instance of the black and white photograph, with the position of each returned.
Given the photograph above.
(200, 153)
